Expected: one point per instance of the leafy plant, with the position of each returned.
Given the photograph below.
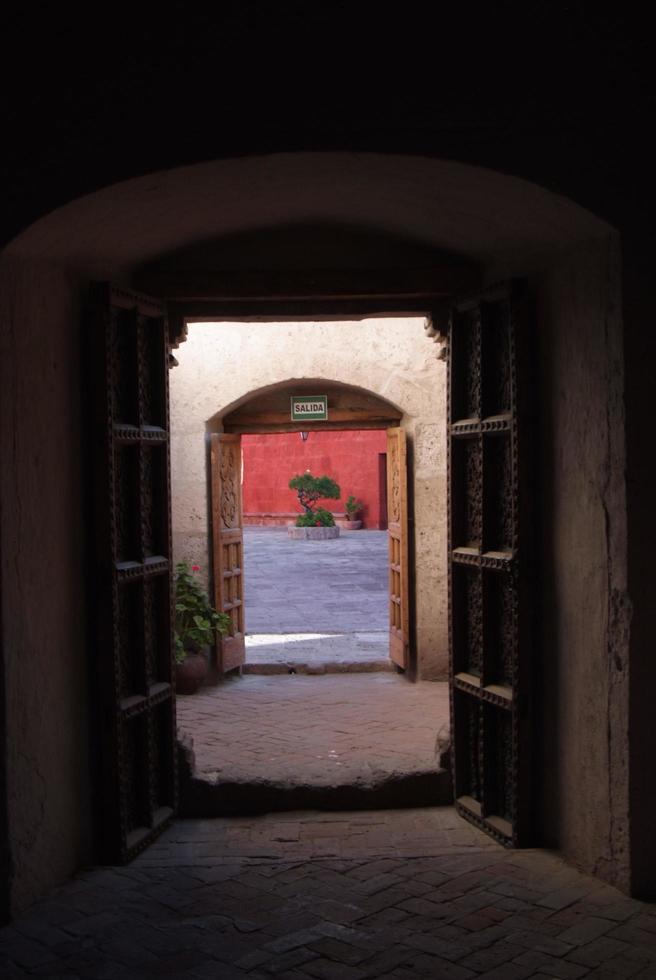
(309, 489)
(196, 620)
(352, 506)
(316, 518)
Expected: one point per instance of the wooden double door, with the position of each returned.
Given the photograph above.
(227, 545)
(131, 646)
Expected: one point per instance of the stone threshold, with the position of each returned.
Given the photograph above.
(323, 667)
(207, 795)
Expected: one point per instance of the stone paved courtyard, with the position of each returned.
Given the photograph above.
(315, 602)
(398, 894)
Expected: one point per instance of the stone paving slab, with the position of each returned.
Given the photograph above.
(337, 586)
(391, 894)
(317, 652)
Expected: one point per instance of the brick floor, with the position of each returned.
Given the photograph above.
(393, 894)
(322, 731)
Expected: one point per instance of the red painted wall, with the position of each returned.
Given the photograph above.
(270, 461)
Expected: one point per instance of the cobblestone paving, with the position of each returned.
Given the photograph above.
(390, 894)
(333, 729)
(337, 586)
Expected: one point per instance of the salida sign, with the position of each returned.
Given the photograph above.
(309, 408)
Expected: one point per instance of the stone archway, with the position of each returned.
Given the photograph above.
(571, 259)
(394, 377)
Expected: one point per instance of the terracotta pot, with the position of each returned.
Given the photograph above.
(352, 525)
(191, 673)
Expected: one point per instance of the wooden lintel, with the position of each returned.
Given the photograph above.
(255, 428)
(180, 286)
(352, 416)
(275, 310)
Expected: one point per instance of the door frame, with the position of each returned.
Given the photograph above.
(410, 670)
(299, 296)
(257, 297)
(226, 541)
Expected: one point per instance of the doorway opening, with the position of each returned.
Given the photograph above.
(351, 611)
(235, 448)
(326, 607)
(314, 575)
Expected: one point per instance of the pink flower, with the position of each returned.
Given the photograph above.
(195, 568)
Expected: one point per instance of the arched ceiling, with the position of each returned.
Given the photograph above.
(433, 204)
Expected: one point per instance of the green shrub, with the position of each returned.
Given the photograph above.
(309, 489)
(352, 506)
(316, 518)
(196, 620)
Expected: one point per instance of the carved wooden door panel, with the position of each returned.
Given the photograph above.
(397, 542)
(132, 646)
(228, 546)
(490, 648)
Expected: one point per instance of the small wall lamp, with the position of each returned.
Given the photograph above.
(304, 436)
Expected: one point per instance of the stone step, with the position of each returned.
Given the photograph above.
(213, 797)
(321, 667)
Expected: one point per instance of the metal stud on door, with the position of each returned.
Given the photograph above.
(132, 651)
(490, 648)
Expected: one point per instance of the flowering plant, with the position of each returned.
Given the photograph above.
(196, 621)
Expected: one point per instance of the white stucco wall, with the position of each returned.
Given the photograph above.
(390, 357)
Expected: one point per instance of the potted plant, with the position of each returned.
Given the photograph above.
(353, 507)
(317, 521)
(197, 624)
